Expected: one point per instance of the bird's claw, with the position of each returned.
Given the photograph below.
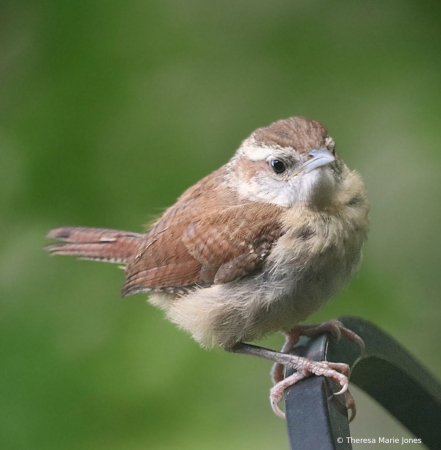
(339, 372)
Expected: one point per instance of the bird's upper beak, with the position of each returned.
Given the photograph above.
(319, 157)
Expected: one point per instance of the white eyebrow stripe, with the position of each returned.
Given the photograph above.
(256, 152)
(263, 152)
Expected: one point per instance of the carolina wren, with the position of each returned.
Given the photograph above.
(254, 248)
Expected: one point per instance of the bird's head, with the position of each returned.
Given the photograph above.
(292, 161)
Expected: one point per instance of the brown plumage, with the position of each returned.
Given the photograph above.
(202, 246)
(253, 248)
(96, 244)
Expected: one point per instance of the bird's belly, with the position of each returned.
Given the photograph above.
(277, 299)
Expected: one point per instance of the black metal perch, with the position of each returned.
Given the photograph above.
(386, 372)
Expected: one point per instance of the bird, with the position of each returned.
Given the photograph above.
(252, 249)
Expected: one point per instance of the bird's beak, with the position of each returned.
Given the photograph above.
(319, 157)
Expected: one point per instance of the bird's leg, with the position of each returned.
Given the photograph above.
(291, 339)
(339, 372)
(334, 327)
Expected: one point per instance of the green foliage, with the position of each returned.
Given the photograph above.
(108, 111)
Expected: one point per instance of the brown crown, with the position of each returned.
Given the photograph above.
(297, 132)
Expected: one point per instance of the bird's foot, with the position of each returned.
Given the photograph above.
(339, 372)
(334, 327)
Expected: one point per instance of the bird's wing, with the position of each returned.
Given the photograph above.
(190, 247)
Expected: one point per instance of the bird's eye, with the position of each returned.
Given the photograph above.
(278, 166)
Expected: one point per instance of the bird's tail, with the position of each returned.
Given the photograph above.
(97, 244)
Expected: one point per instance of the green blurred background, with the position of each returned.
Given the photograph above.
(108, 111)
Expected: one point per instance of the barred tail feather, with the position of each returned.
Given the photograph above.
(97, 244)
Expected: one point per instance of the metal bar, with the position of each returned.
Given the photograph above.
(386, 372)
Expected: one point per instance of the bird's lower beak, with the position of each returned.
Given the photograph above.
(319, 157)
